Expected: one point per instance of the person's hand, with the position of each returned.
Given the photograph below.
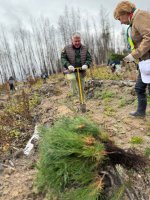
(129, 58)
(84, 67)
(71, 68)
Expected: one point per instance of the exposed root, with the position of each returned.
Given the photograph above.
(129, 160)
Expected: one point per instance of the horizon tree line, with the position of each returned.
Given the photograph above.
(29, 52)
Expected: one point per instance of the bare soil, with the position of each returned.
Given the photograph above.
(112, 115)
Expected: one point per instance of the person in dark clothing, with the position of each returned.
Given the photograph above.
(44, 76)
(11, 82)
(74, 56)
(114, 63)
(113, 67)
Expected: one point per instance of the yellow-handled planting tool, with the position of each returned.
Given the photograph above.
(81, 91)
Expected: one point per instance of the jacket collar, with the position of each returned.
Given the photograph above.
(133, 16)
(77, 48)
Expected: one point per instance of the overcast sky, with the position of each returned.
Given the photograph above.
(14, 11)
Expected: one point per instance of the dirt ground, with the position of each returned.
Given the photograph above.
(110, 111)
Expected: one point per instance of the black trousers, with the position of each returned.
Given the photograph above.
(140, 89)
(12, 87)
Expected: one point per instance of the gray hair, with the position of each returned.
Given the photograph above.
(76, 34)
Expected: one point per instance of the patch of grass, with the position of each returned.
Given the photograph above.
(107, 101)
(16, 117)
(103, 73)
(148, 134)
(34, 101)
(97, 94)
(56, 76)
(147, 152)
(148, 100)
(135, 102)
(148, 124)
(109, 111)
(107, 95)
(122, 103)
(136, 140)
(14, 133)
(38, 84)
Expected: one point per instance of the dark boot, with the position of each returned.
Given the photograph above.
(137, 114)
(140, 89)
(141, 110)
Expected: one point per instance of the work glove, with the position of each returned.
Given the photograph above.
(84, 67)
(129, 58)
(71, 68)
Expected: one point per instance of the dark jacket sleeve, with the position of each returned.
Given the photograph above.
(64, 59)
(88, 59)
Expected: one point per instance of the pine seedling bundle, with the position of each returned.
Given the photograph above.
(69, 158)
(72, 156)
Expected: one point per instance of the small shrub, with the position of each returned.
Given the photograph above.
(107, 95)
(147, 152)
(122, 103)
(136, 140)
(109, 111)
(38, 84)
(14, 133)
(103, 73)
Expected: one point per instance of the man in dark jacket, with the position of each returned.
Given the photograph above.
(44, 76)
(74, 56)
(11, 82)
